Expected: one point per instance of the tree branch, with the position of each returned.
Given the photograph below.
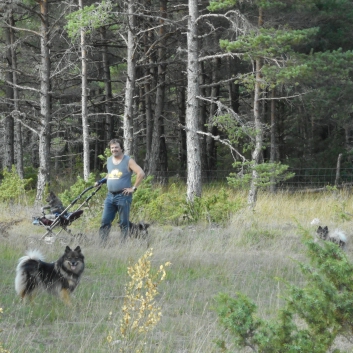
(217, 138)
(18, 116)
(225, 55)
(24, 30)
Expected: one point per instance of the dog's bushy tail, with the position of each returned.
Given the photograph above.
(30, 255)
(20, 274)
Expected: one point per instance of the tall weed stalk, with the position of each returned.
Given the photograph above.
(140, 311)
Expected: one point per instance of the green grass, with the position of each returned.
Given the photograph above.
(247, 255)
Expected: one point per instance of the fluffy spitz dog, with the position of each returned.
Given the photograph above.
(60, 277)
(54, 203)
(139, 230)
(336, 236)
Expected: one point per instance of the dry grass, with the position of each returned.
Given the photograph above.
(255, 248)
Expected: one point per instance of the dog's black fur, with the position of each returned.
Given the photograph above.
(60, 277)
(54, 203)
(139, 230)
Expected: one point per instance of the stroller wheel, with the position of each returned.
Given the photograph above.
(49, 239)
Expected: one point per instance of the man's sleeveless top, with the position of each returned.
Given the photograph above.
(119, 176)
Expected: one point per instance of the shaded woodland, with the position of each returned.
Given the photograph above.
(184, 83)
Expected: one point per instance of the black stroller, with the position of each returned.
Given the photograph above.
(63, 221)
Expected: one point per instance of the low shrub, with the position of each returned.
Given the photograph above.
(12, 187)
(312, 316)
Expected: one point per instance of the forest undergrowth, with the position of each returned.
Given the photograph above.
(245, 251)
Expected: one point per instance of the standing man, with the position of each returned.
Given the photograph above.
(120, 168)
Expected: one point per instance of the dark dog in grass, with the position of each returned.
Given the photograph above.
(59, 278)
(139, 230)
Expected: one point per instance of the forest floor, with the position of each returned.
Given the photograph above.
(247, 255)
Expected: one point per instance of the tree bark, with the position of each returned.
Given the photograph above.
(45, 113)
(194, 182)
(130, 80)
(257, 152)
(182, 135)
(9, 154)
(273, 148)
(203, 122)
(211, 144)
(109, 121)
(158, 132)
(147, 87)
(85, 130)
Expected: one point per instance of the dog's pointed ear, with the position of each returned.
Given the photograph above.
(78, 249)
(320, 228)
(326, 228)
(147, 225)
(67, 249)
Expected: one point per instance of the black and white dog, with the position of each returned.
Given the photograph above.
(60, 277)
(337, 236)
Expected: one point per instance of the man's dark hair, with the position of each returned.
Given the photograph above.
(117, 141)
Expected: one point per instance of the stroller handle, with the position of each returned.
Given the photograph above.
(84, 191)
(78, 197)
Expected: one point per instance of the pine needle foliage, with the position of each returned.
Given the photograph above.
(140, 311)
(268, 174)
(312, 317)
(88, 18)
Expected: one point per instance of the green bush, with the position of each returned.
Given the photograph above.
(76, 189)
(171, 206)
(142, 198)
(12, 187)
(312, 316)
(165, 206)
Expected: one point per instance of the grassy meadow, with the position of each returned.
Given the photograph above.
(246, 255)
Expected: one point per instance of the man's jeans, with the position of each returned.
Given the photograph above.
(114, 204)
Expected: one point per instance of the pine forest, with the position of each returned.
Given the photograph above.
(192, 87)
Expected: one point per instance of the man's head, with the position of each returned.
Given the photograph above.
(116, 142)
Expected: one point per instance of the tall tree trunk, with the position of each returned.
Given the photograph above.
(130, 80)
(147, 39)
(109, 120)
(194, 181)
(203, 121)
(233, 88)
(85, 131)
(44, 132)
(211, 145)
(257, 152)
(148, 121)
(9, 154)
(158, 130)
(182, 135)
(18, 126)
(273, 148)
